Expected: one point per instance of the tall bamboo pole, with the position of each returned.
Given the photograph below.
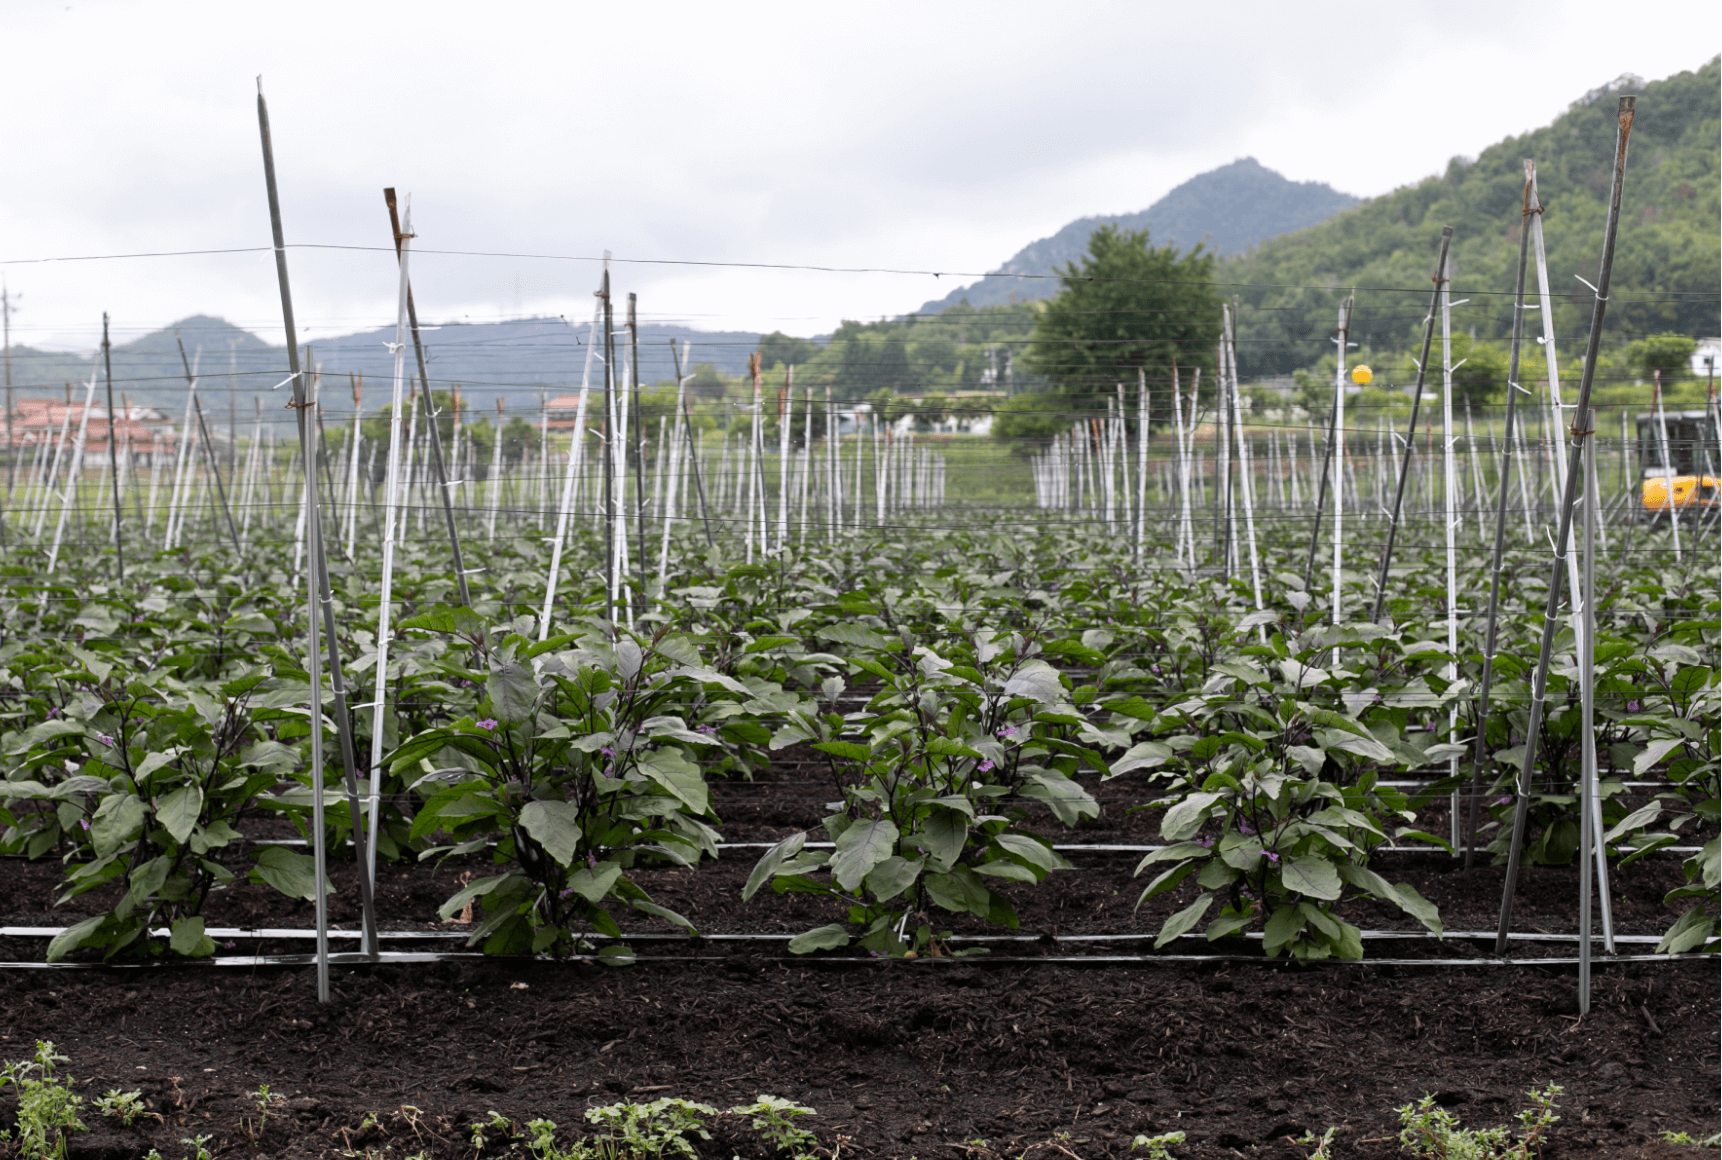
(113, 452)
(429, 405)
(1563, 534)
(1436, 303)
(317, 589)
(1480, 757)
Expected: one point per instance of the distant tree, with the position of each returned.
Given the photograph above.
(1128, 306)
(707, 383)
(1029, 420)
(780, 349)
(1669, 353)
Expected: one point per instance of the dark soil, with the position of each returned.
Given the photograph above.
(899, 1059)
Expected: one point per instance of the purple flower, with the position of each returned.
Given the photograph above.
(1246, 828)
(84, 822)
(1502, 801)
(706, 728)
(1008, 731)
(1206, 842)
(986, 767)
(105, 739)
(1156, 669)
(607, 750)
(1272, 857)
(1632, 706)
(487, 723)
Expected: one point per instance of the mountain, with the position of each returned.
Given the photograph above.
(513, 360)
(1666, 268)
(1230, 209)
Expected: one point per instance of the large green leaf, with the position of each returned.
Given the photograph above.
(513, 691)
(942, 837)
(177, 811)
(961, 890)
(555, 825)
(680, 776)
(73, 937)
(860, 848)
(768, 865)
(189, 940)
(820, 938)
(291, 873)
(893, 876)
(469, 892)
(1311, 876)
(1690, 931)
(1186, 817)
(1185, 919)
(1281, 928)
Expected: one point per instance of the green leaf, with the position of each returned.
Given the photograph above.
(1229, 924)
(1282, 927)
(1006, 869)
(1690, 930)
(513, 691)
(1312, 876)
(820, 938)
(1636, 820)
(73, 937)
(1166, 880)
(680, 776)
(848, 749)
(1033, 851)
(770, 642)
(594, 883)
(893, 876)
(448, 618)
(189, 940)
(291, 873)
(942, 838)
(469, 892)
(1185, 919)
(860, 848)
(961, 890)
(1186, 817)
(1069, 802)
(1366, 747)
(1653, 753)
(1142, 755)
(767, 866)
(555, 825)
(178, 811)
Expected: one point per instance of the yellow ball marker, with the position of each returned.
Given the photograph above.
(1361, 375)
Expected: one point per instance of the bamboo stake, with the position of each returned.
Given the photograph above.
(1481, 756)
(209, 452)
(637, 445)
(113, 452)
(1438, 303)
(68, 495)
(317, 587)
(1587, 721)
(1335, 416)
(1563, 535)
(1336, 452)
(785, 412)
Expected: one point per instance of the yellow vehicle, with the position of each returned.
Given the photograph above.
(1679, 464)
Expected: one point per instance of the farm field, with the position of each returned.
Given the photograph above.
(818, 792)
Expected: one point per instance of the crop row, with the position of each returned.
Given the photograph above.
(956, 684)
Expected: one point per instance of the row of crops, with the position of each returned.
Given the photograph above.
(968, 689)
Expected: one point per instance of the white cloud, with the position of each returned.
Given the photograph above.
(920, 136)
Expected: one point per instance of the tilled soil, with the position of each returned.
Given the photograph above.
(900, 1059)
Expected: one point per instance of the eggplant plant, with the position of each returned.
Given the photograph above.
(1273, 801)
(574, 772)
(935, 772)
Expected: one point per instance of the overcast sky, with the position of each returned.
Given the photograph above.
(924, 136)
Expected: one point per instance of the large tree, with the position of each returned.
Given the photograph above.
(1128, 306)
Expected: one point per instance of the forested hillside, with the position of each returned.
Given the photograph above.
(1666, 267)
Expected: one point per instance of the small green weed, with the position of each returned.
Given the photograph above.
(1433, 1133)
(1686, 1138)
(774, 1118)
(1159, 1147)
(47, 1107)
(122, 1106)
